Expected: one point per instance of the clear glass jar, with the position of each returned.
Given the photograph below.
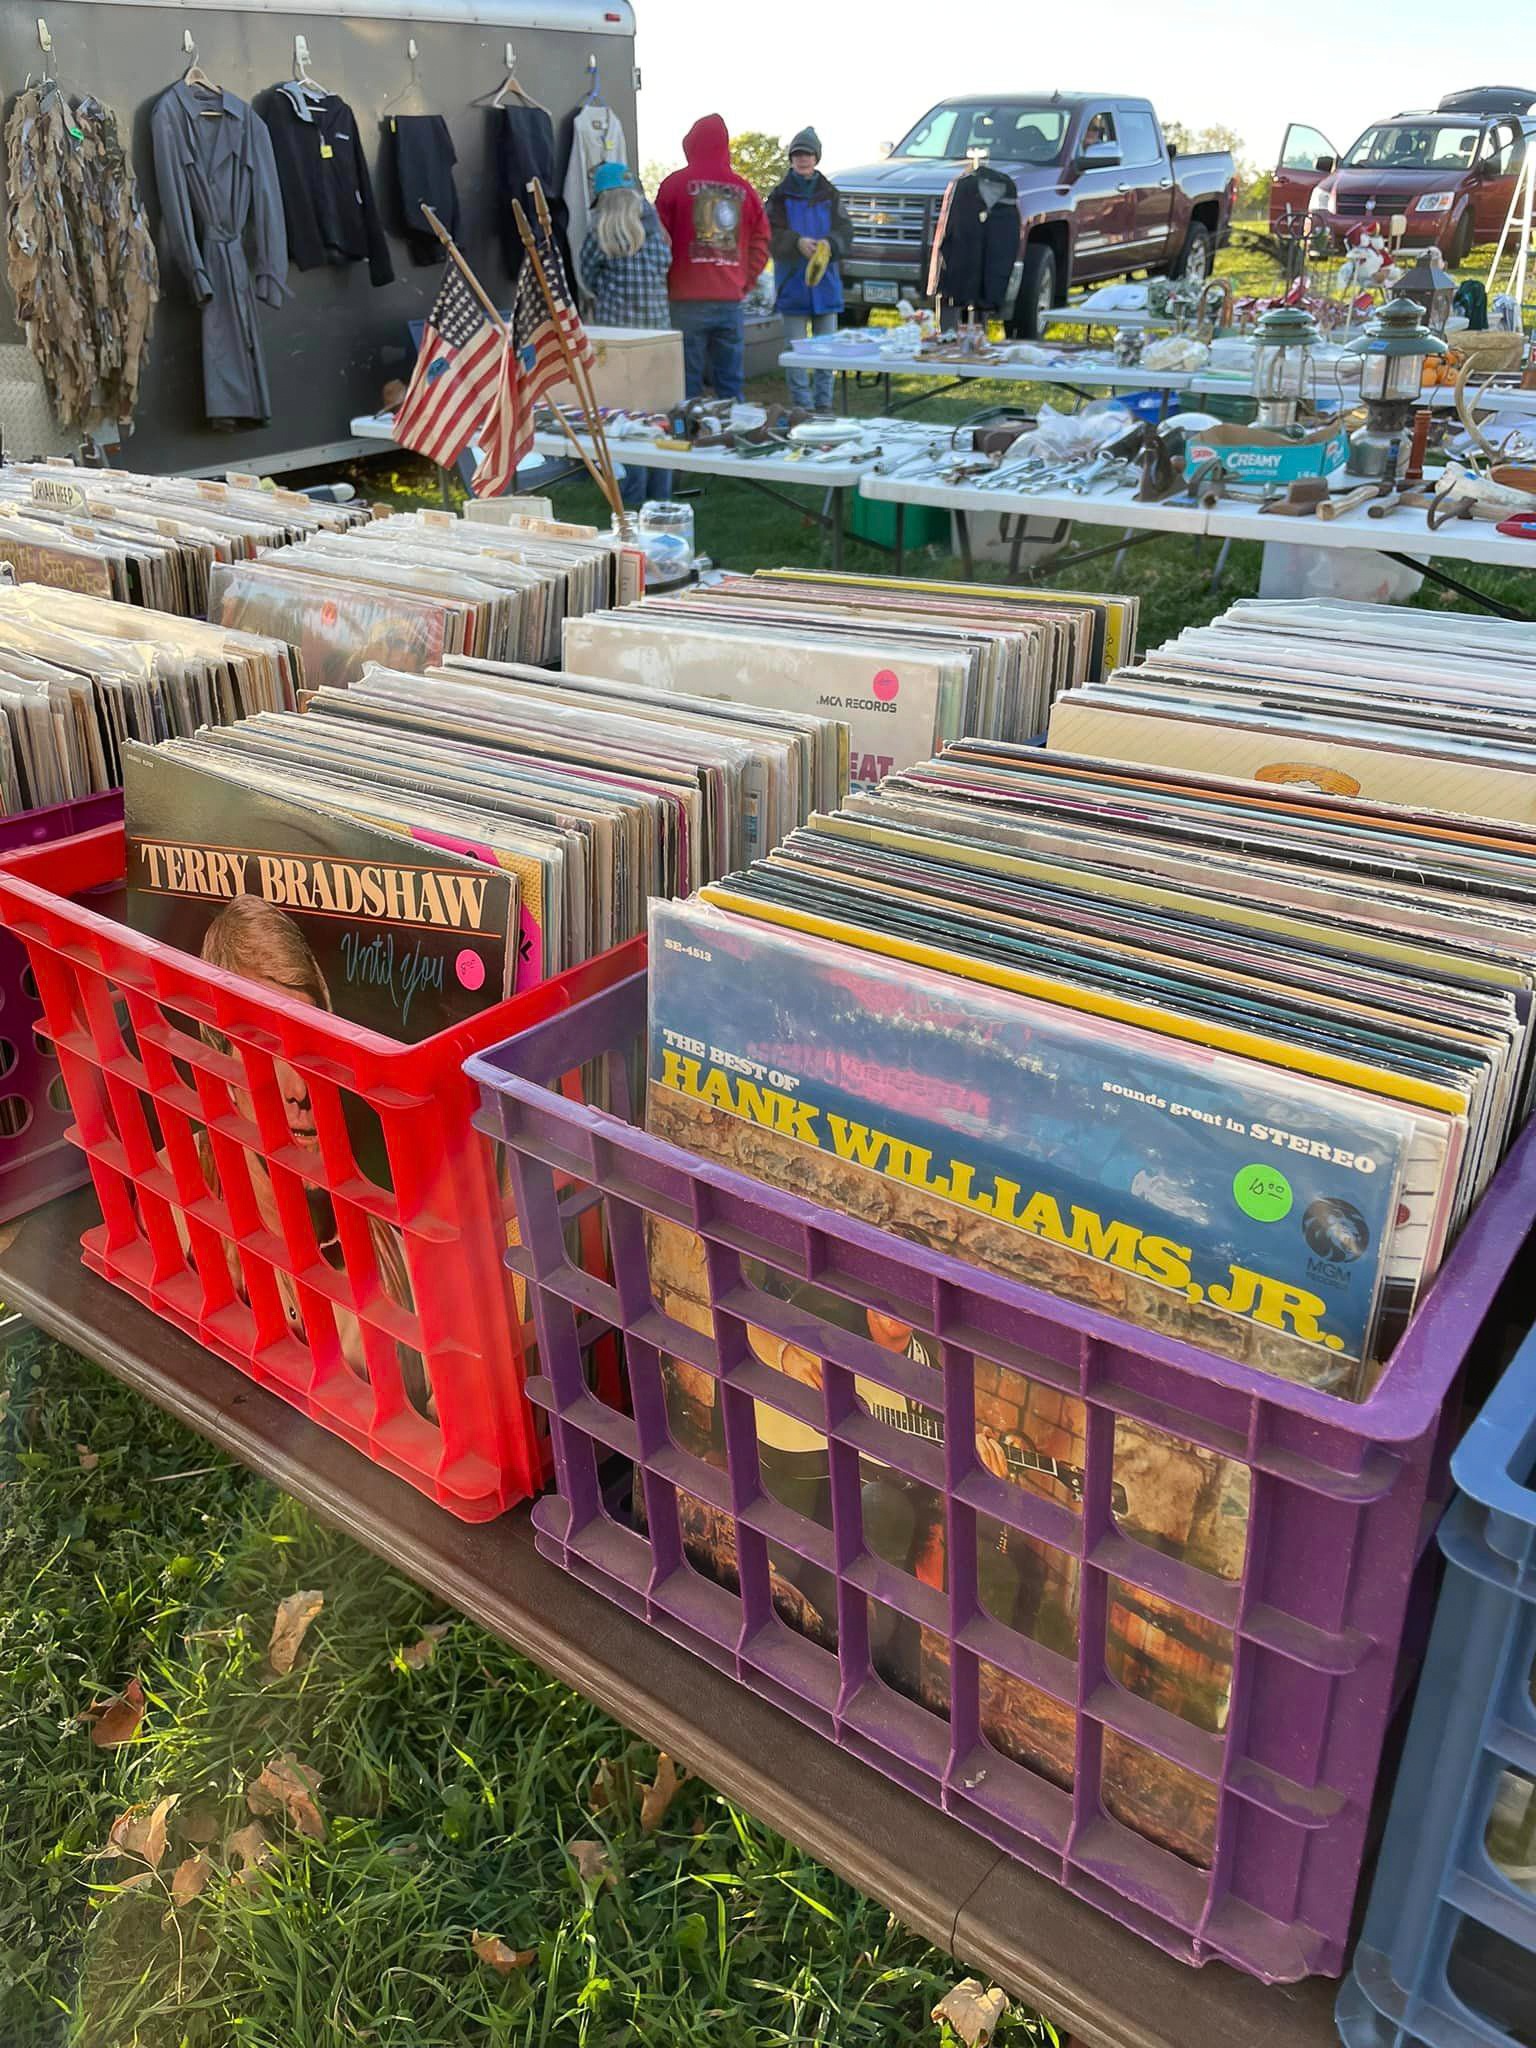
(664, 530)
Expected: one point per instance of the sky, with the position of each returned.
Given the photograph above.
(863, 71)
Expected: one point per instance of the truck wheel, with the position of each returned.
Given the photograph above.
(1194, 259)
(855, 316)
(1458, 246)
(1037, 291)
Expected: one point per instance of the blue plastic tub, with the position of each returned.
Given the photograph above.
(1447, 1958)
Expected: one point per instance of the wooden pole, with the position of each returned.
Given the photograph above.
(583, 387)
(605, 478)
(500, 325)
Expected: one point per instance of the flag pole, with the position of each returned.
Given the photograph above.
(500, 325)
(584, 388)
(608, 485)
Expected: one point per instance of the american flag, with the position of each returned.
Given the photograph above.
(535, 363)
(457, 374)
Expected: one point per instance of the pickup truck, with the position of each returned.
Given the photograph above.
(1100, 195)
(1450, 173)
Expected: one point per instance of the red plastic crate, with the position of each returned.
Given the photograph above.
(37, 1161)
(409, 1340)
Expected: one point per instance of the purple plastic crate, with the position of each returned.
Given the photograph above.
(37, 1161)
(1341, 1507)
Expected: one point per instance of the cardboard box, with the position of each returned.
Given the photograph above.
(1268, 455)
(637, 369)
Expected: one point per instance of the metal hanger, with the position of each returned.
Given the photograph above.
(594, 96)
(412, 85)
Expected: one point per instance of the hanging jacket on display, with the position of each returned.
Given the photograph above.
(523, 148)
(597, 138)
(976, 243)
(218, 186)
(80, 259)
(416, 168)
(327, 194)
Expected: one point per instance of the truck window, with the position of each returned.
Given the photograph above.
(1101, 128)
(1498, 152)
(1138, 136)
(1303, 147)
(1010, 131)
(1416, 146)
(931, 136)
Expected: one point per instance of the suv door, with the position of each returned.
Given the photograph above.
(1103, 211)
(1494, 178)
(1306, 155)
(1145, 168)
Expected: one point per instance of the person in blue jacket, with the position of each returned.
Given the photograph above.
(810, 236)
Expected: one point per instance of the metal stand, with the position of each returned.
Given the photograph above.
(1522, 201)
(1445, 582)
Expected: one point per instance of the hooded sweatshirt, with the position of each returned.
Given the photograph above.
(713, 218)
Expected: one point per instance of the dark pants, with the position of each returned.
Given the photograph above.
(714, 335)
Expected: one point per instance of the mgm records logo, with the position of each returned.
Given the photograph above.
(1337, 1234)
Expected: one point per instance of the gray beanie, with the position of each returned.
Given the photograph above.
(806, 139)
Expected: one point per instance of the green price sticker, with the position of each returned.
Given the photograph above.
(1263, 1193)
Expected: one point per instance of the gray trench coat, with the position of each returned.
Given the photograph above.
(217, 182)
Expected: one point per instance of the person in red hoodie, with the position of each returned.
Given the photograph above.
(719, 235)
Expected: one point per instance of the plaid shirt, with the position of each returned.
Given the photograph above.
(629, 291)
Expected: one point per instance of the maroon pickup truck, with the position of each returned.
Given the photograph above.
(1451, 174)
(1100, 195)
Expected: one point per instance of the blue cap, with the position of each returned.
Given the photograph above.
(610, 178)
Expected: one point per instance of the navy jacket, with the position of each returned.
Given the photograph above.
(823, 219)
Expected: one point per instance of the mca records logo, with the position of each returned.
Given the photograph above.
(1335, 1230)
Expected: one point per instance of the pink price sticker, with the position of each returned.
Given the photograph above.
(886, 684)
(470, 969)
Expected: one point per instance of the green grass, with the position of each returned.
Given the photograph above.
(449, 1794)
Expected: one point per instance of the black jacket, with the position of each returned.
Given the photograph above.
(523, 146)
(323, 173)
(977, 243)
(416, 160)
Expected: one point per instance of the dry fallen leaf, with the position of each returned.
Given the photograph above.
(250, 1846)
(973, 2013)
(613, 1786)
(670, 1779)
(423, 1652)
(490, 1948)
(117, 1721)
(189, 1878)
(141, 1832)
(133, 1884)
(89, 1459)
(198, 1823)
(591, 1861)
(293, 1617)
(288, 1787)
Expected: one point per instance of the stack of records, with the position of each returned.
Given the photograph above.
(588, 797)
(406, 854)
(1432, 709)
(83, 677)
(910, 666)
(1229, 1062)
(413, 589)
(141, 539)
